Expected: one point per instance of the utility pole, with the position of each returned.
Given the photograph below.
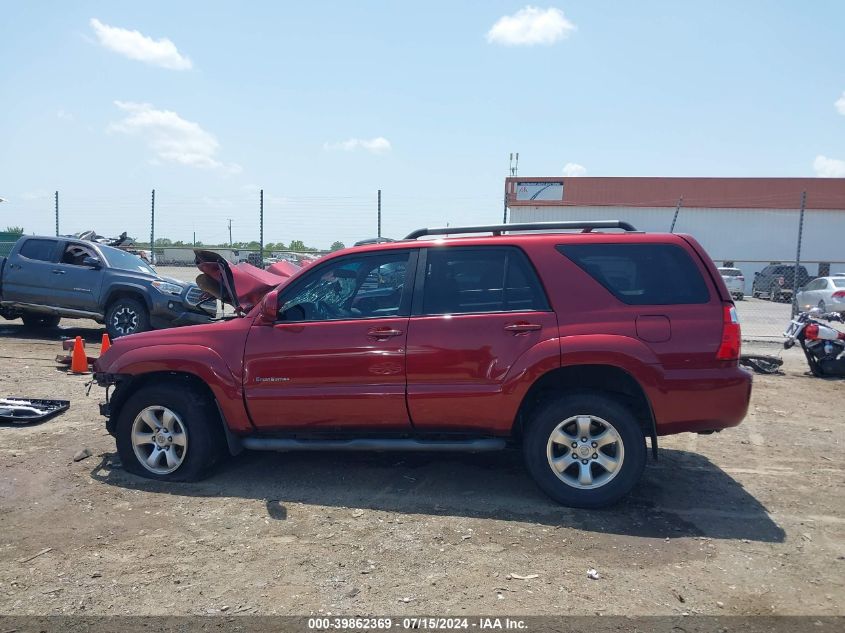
(261, 229)
(230, 231)
(675, 217)
(195, 238)
(798, 255)
(153, 227)
(379, 214)
(513, 167)
(57, 214)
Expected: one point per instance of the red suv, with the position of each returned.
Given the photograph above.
(575, 340)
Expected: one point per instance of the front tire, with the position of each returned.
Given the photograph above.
(585, 450)
(34, 320)
(126, 316)
(169, 433)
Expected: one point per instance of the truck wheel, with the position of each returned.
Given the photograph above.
(126, 316)
(31, 319)
(169, 433)
(585, 450)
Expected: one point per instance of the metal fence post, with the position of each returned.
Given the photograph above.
(153, 227)
(261, 228)
(57, 214)
(798, 255)
(379, 214)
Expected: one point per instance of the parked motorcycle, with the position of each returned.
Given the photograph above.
(823, 345)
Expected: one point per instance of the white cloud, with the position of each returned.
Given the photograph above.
(172, 138)
(136, 45)
(829, 167)
(377, 145)
(574, 169)
(840, 104)
(64, 115)
(530, 26)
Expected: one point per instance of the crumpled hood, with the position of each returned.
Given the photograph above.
(242, 285)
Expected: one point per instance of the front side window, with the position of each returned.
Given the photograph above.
(41, 250)
(478, 280)
(351, 288)
(75, 254)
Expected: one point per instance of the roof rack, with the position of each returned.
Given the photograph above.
(498, 229)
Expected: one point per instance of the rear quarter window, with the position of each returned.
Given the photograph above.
(641, 274)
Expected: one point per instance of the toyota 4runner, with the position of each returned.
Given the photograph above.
(574, 340)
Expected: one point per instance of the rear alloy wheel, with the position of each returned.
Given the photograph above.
(126, 316)
(585, 450)
(168, 432)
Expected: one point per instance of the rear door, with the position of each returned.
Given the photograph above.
(477, 310)
(28, 276)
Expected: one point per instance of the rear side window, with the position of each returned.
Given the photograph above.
(641, 274)
(473, 280)
(38, 249)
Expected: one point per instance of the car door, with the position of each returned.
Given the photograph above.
(335, 358)
(28, 276)
(76, 285)
(476, 311)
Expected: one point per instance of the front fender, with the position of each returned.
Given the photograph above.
(197, 360)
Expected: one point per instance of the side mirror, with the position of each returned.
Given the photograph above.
(757, 274)
(92, 262)
(270, 307)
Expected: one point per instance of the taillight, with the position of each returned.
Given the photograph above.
(811, 332)
(839, 294)
(741, 278)
(731, 335)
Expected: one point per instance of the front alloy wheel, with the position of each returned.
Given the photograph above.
(170, 431)
(159, 440)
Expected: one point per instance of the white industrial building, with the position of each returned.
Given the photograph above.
(747, 222)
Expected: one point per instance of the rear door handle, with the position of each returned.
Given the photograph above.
(384, 332)
(521, 328)
(58, 271)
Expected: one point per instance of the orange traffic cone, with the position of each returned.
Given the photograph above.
(106, 344)
(79, 362)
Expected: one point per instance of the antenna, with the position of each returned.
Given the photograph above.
(514, 163)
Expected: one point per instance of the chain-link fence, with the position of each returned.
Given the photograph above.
(755, 246)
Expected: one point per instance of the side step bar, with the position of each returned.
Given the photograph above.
(374, 444)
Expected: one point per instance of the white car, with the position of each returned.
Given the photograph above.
(735, 281)
(825, 293)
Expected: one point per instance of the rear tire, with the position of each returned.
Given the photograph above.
(126, 316)
(35, 320)
(740, 297)
(822, 306)
(584, 475)
(169, 433)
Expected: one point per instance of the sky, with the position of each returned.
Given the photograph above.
(322, 104)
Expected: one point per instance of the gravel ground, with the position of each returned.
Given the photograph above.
(747, 521)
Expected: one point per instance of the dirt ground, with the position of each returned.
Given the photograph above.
(748, 521)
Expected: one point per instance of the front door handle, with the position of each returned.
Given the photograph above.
(384, 332)
(58, 271)
(522, 328)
